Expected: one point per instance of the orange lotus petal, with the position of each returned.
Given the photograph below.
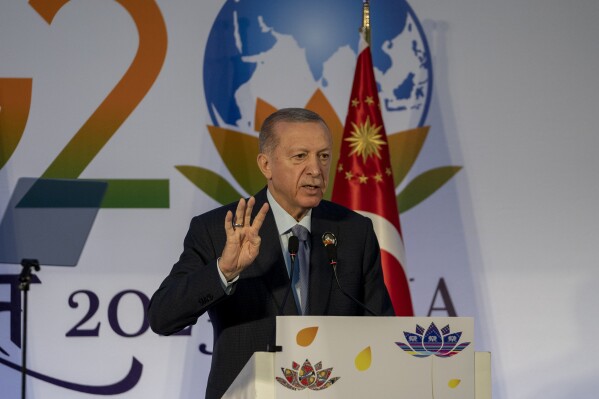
(239, 151)
(306, 336)
(364, 359)
(263, 109)
(404, 148)
(321, 105)
(454, 382)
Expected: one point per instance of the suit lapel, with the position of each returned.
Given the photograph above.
(321, 273)
(270, 262)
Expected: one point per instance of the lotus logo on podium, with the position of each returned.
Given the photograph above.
(442, 343)
(314, 378)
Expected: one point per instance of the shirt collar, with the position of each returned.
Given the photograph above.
(285, 221)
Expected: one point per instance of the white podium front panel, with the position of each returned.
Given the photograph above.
(374, 357)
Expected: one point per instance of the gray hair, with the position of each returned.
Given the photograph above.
(268, 139)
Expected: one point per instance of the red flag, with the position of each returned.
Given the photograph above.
(364, 179)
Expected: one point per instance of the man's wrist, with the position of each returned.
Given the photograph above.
(226, 278)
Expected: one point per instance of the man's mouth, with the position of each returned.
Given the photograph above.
(311, 187)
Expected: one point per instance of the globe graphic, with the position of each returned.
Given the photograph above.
(282, 51)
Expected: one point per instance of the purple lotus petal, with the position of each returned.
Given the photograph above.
(405, 347)
(421, 353)
(433, 340)
(448, 354)
(461, 346)
(456, 350)
(414, 341)
(449, 342)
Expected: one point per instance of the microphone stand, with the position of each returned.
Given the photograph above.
(332, 254)
(24, 283)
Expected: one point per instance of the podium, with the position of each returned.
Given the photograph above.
(368, 357)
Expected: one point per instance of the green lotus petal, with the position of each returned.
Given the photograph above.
(239, 152)
(423, 186)
(404, 148)
(211, 183)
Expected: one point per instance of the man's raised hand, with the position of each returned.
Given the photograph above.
(243, 240)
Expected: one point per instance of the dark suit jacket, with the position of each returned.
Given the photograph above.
(244, 322)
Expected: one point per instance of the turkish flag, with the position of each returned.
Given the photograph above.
(364, 179)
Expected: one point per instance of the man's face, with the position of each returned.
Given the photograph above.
(297, 169)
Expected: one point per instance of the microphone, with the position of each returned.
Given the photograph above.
(330, 244)
(292, 247)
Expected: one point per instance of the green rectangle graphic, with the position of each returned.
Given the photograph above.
(136, 193)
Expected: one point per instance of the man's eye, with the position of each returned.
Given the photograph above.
(300, 156)
(325, 156)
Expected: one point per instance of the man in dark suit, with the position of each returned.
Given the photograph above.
(235, 263)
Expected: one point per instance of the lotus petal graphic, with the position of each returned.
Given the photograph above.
(441, 343)
(315, 378)
(239, 150)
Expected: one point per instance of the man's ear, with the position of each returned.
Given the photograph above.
(264, 165)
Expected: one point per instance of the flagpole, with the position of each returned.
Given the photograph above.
(364, 176)
(365, 28)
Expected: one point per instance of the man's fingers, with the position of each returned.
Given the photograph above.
(239, 212)
(259, 219)
(248, 212)
(229, 222)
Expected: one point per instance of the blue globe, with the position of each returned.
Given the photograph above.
(286, 49)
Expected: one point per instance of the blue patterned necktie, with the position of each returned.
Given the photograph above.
(303, 261)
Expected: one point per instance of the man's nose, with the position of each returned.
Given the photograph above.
(313, 167)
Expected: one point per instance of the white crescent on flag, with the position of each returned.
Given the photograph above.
(388, 236)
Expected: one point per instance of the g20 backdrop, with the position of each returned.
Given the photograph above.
(139, 114)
